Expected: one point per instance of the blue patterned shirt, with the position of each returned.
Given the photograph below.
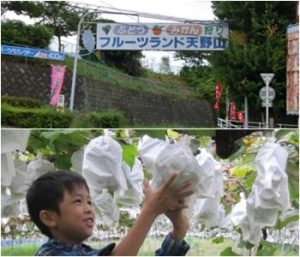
(57, 248)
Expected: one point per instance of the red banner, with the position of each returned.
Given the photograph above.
(218, 96)
(232, 110)
(240, 116)
(218, 91)
(57, 79)
(217, 106)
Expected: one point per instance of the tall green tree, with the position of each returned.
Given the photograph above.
(62, 18)
(59, 16)
(17, 32)
(257, 44)
(260, 47)
(165, 67)
(31, 8)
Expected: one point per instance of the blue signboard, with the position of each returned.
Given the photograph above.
(31, 52)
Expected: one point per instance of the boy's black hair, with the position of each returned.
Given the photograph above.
(47, 192)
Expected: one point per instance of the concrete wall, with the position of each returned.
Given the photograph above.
(140, 107)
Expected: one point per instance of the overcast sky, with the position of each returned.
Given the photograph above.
(188, 9)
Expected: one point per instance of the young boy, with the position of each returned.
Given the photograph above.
(59, 204)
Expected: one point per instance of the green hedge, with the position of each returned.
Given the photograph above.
(25, 102)
(34, 118)
(108, 119)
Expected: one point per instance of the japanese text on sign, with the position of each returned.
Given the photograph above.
(162, 36)
(33, 53)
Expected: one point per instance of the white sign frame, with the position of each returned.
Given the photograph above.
(162, 36)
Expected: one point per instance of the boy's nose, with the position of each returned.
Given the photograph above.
(88, 207)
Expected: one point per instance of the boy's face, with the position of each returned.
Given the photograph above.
(75, 222)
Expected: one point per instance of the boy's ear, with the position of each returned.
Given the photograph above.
(48, 218)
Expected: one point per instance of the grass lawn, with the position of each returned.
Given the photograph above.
(199, 247)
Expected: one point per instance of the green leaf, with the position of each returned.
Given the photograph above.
(228, 252)
(129, 153)
(63, 162)
(267, 249)
(249, 180)
(282, 223)
(241, 171)
(245, 244)
(218, 240)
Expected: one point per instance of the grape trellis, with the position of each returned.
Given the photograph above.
(252, 197)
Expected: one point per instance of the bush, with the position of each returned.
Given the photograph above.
(34, 118)
(107, 119)
(25, 102)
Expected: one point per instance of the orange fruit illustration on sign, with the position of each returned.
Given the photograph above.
(157, 30)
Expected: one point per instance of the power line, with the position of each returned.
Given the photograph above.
(99, 8)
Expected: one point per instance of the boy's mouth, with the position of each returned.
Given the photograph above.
(89, 222)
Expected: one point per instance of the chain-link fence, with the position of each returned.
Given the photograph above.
(99, 71)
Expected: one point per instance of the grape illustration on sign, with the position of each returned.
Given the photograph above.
(162, 36)
(106, 29)
(88, 40)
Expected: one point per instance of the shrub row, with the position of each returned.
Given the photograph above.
(15, 112)
(25, 102)
(45, 117)
(107, 119)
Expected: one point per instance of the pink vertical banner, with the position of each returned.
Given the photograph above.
(57, 79)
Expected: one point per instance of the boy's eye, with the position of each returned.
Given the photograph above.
(77, 201)
(89, 202)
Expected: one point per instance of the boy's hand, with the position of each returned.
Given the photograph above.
(156, 202)
(180, 223)
(166, 198)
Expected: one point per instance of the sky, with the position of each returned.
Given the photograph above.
(188, 9)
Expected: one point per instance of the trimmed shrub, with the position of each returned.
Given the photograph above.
(34, 118)
(107, 119)
(25, 102)
(81, 120)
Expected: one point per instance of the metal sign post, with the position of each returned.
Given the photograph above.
(267, 94)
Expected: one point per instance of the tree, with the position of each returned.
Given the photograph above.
(59, 16)
(257, 44)
(17, 32)
(127, 61)
(31, 8)
(263, 26)
(165, 67)
(62, 18)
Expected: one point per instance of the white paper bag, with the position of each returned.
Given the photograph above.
(251, 232)
(102, 164)
(133, 196)
(105, 207)
(162, 159)
(270, 192)
(14, 139)
(77, 160)
(7, 169)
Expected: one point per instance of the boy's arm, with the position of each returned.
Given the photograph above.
(171, 247)
(156, 202)
(174, 244)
